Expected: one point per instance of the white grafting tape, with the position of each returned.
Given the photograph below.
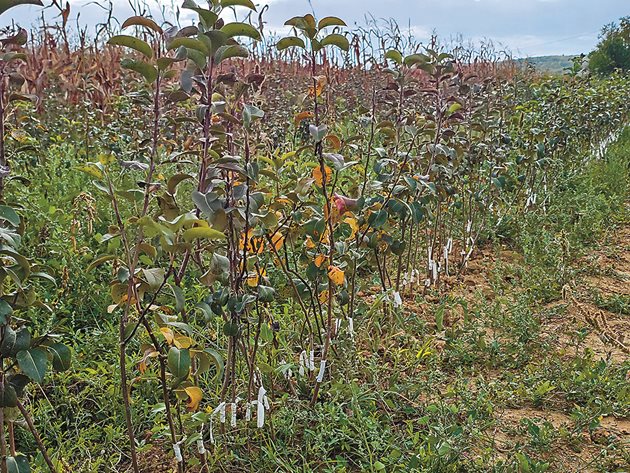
(303, 363)
(222, 413)
(322, 370)
(311, 361)
(201, 448)
(260, 413)
(178, 453)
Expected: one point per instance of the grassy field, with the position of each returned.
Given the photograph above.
(498, 370)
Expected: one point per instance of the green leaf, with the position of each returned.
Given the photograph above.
(290, 42)
(377, 219)
(12, 56)
(179, 362)
(18, 464)
(189, 43)
(454, 107)
(208, 355)
(33, 363)
(8, 214)
(250, 112)
(62, 357)
(180, 298)
(241, 29)
(5, 311)
(304, 23)
(395, 56)
(142, 21)
(22, 340)
(238, 3)
(266, 294)
(230, 329)
(9, 339)
(226, 52)
(133, 43)
(8, 396)
(145, 69)
(217, 39)
(208, 17)
(414, 59)
(19, 383)
(336, 40)
(19, 259)
(6, 4)
(174, 181)
(99, 261)
(330, 21)
(202, 232)
(164, 63)
(200, 59)
(154, 277)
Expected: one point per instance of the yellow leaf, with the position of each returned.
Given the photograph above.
(255, 245)
(317, 175)
(202, 232)
(106, 159)
(92, 170)
(336, 275)
(302, 116)
(353, 224)
(319, 260)
(252, 280)
(309, 243)
(195, 394)
(277, 240)
(321, 83)
(323, 297)
(182, 341)
(168, 335)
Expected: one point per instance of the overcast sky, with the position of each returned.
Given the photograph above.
(526, 27)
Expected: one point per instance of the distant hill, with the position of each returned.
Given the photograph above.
(550, 64)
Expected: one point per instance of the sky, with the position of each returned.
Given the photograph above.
(524, 27)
